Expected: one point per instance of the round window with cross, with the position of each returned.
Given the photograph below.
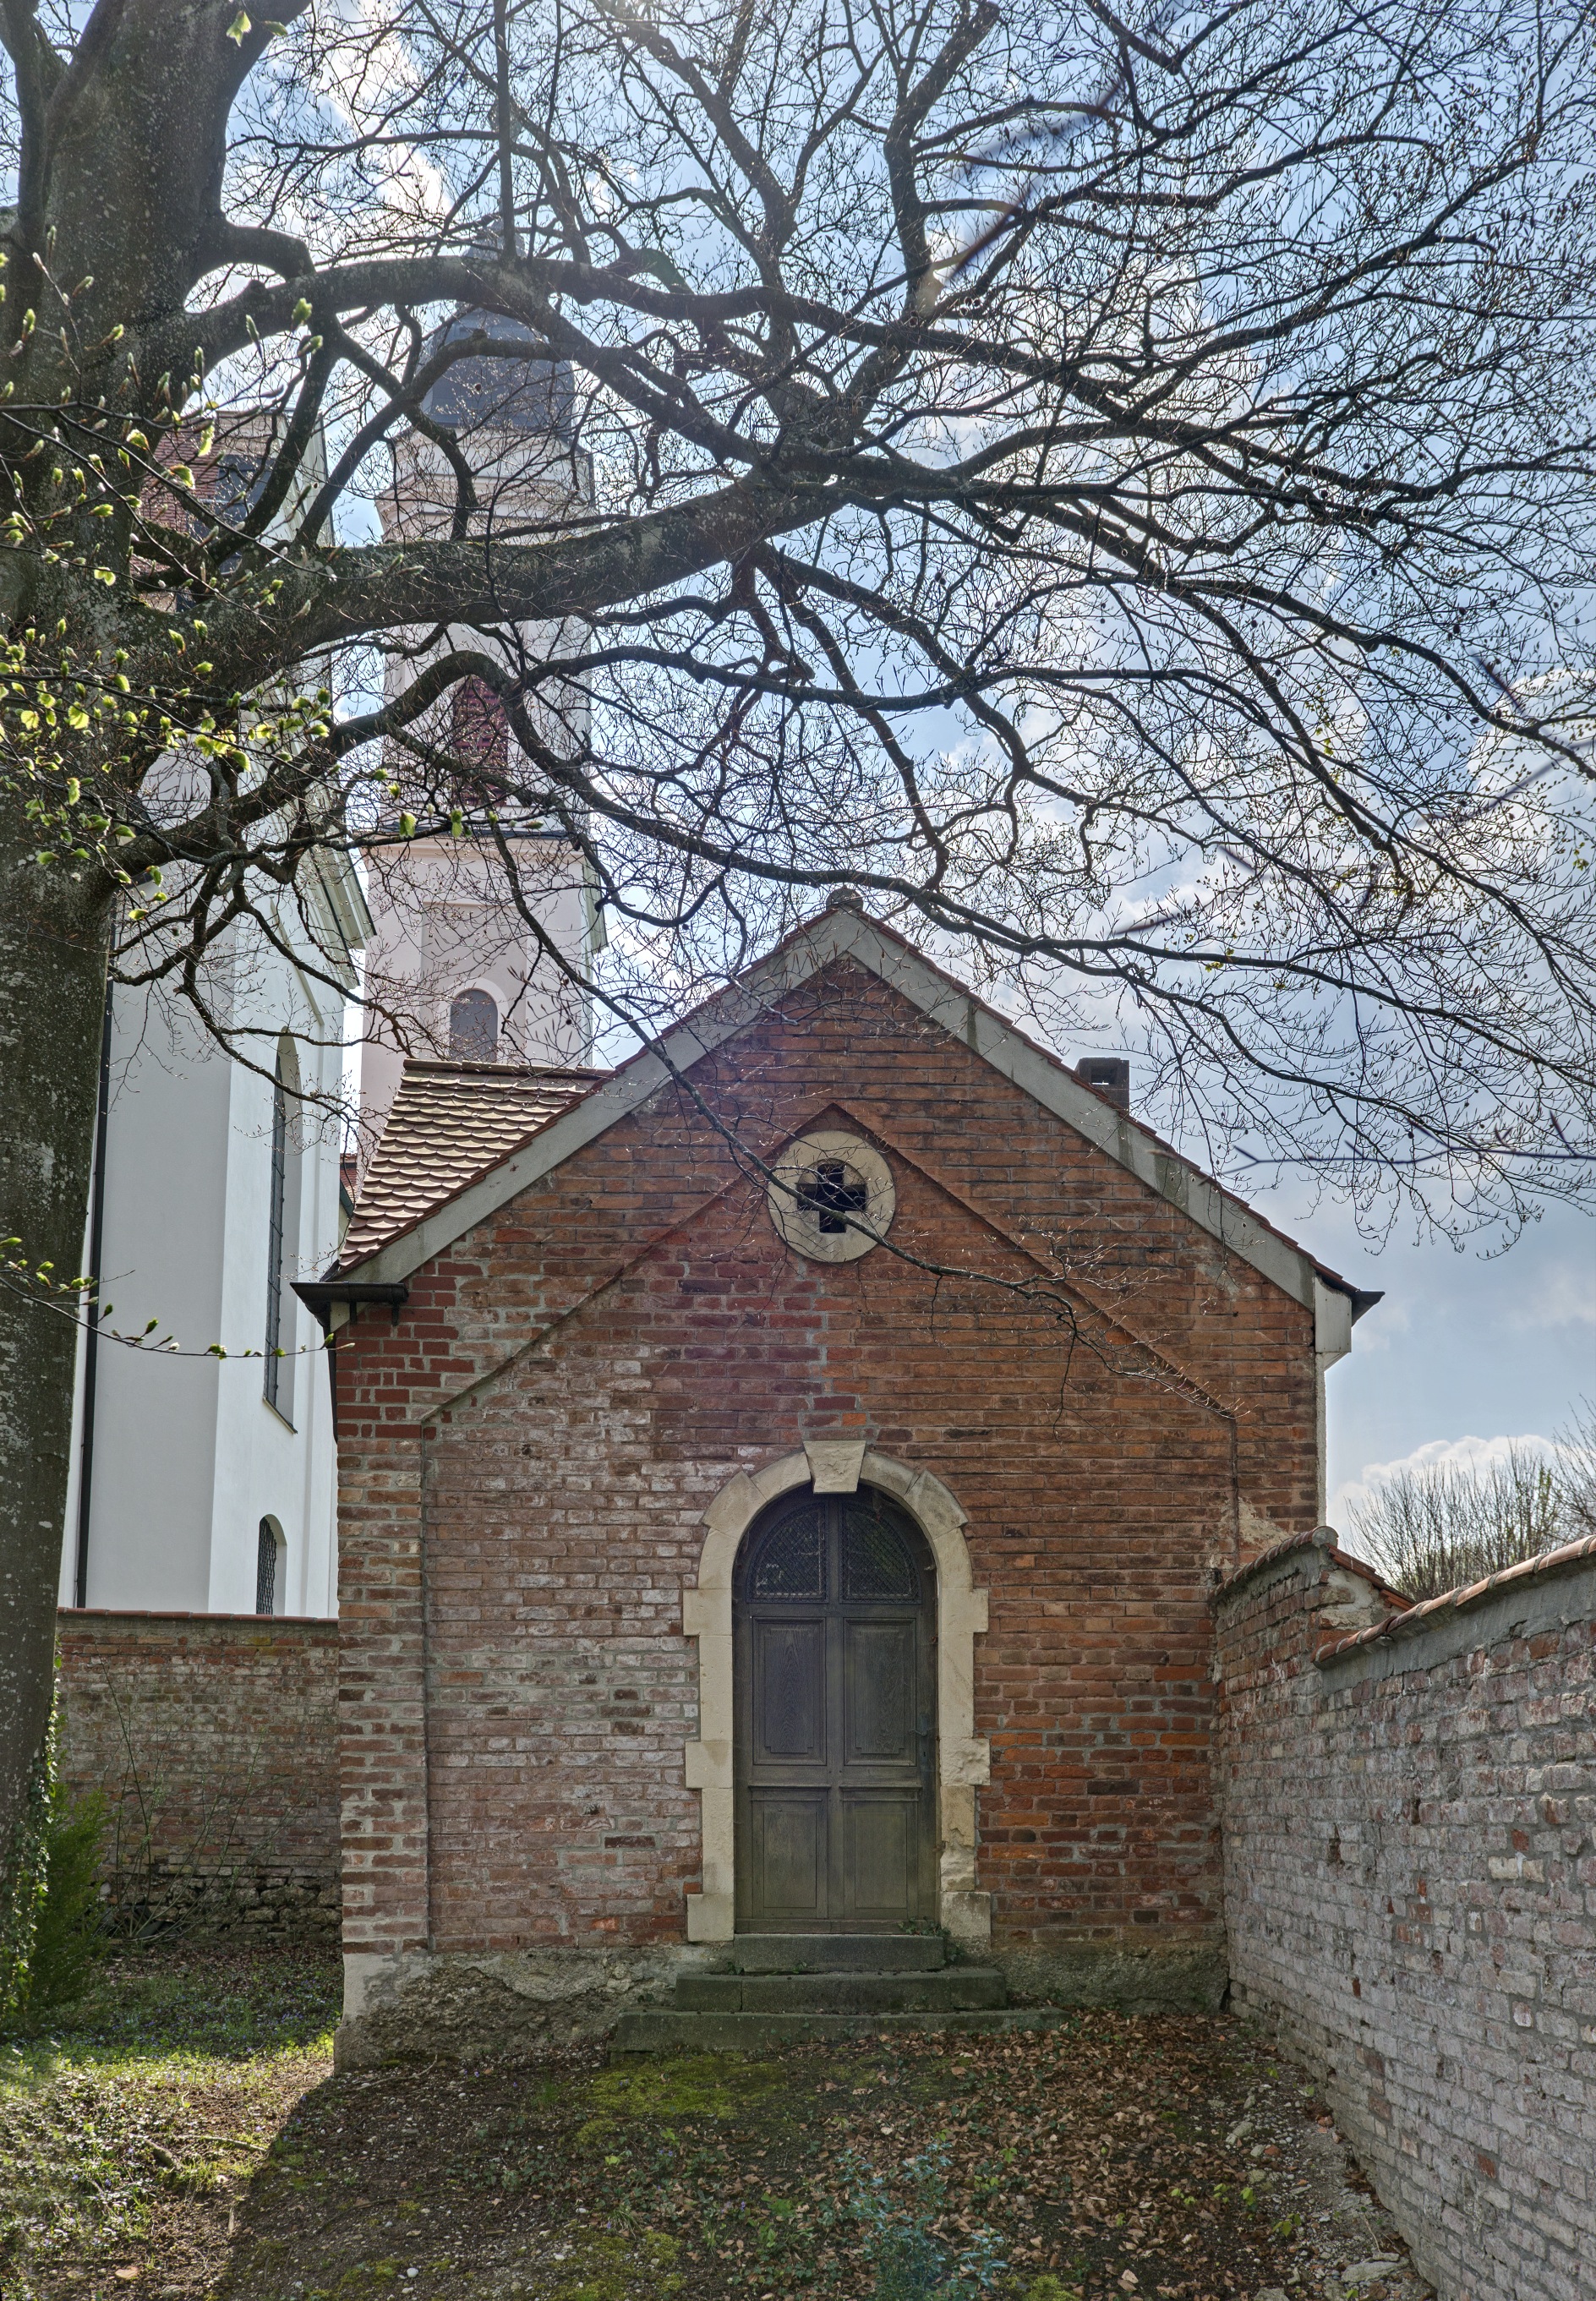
(831, 1197)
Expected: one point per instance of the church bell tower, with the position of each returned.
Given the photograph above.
(458, 967)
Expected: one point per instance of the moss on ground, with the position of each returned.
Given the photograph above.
(719, 2086)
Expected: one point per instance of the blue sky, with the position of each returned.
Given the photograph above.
(1466, 1343)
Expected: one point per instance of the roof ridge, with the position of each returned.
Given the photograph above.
(453, 1066)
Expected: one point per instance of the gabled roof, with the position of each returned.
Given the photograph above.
(433, 1212)
(450, 1124)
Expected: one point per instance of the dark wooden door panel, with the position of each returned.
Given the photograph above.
(879, 1690)
(836, 1717)
(790, 1704)
(791, 1858)
(878, 1875)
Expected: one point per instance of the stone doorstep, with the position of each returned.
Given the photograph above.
(958, 1989)
(837, 1953)
(758, 2033)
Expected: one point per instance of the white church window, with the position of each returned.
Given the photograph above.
(282, 1234)
(268, 1550)
(473, 1027)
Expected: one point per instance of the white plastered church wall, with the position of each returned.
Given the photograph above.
(187, 1455)
(964, 1760)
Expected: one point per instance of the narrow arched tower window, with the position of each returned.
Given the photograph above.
(481, 733)
(473, 1027)
(265, 1568)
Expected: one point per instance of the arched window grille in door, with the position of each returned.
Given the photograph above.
(473, 1027)
(267, 1549)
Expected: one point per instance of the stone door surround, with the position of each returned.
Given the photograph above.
(839, 1467)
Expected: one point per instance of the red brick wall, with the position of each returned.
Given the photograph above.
(1410, 1896)
(571, 1382)
(214, 1740)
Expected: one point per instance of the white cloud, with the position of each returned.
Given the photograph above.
(1434, 1454)
(1563, 1296)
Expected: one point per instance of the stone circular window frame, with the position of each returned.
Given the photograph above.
(794, 1224)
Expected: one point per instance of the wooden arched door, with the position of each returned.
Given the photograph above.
(834, 1617)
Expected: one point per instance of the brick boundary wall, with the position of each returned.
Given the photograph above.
(1409, 1802)
(213, 1740)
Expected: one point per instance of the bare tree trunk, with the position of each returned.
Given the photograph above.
(52, 955)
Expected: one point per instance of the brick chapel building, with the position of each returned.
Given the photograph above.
(781, 1487)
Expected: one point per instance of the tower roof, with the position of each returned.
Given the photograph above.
(520, 390)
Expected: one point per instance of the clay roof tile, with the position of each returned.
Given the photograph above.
(449, 1123)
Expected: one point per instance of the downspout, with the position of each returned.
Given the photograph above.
(91, 1341)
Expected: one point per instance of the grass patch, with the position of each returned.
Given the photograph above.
(717, 2085)
(132, 2122)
